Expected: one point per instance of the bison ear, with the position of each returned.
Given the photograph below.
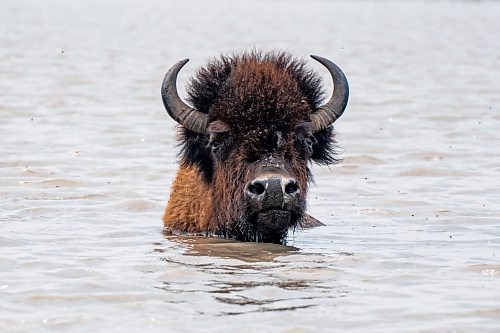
(310, 222)
(194, 152)
(324, 149)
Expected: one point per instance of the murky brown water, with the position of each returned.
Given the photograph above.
(412, 235)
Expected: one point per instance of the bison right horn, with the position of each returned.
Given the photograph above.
(328, 113)
(182, 113)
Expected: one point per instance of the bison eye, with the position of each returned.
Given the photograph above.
(309, 142)
(220, 144)
(216, 144)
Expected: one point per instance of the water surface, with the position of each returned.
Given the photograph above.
(412, 236)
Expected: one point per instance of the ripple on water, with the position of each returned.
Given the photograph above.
(433, 172)
(492, 270)
(139, 205)
(362, 160)
(10, 242)
(54, 183)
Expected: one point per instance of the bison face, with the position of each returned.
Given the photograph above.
(259, 183)
(255, 125)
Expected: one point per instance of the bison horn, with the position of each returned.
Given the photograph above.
(333, 109)
(182, 113)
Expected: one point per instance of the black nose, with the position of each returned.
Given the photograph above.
(272, 192)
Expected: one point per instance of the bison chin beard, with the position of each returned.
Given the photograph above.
(269, 226)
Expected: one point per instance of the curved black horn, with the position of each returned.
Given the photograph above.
(182, 113)
(328, 113)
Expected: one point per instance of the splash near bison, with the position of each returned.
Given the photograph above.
(255, 123)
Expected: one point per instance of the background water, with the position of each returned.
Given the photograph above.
(412, 235)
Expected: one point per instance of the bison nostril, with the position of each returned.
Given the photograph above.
(256, 188)
(292, 187)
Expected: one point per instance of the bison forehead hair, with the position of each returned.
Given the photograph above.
(256, 89)
(256, 95)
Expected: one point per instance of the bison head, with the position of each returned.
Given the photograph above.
(255, 124)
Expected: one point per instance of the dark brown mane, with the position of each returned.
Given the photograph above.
(209, 82)
(253, 91)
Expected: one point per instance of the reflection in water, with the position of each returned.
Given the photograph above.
(231, 249)
(256, 277)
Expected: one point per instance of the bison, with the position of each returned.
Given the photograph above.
(255, 123)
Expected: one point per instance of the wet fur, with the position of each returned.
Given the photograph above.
(249, 99)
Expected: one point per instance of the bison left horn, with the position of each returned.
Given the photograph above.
(182, 113)
(328, 113)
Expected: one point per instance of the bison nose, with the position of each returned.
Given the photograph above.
(272, 191)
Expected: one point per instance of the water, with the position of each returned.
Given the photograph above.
(412, 236)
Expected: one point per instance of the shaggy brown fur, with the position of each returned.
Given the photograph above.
(188, 207)
(259, 107)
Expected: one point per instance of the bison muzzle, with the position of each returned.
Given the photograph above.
(255, 123)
